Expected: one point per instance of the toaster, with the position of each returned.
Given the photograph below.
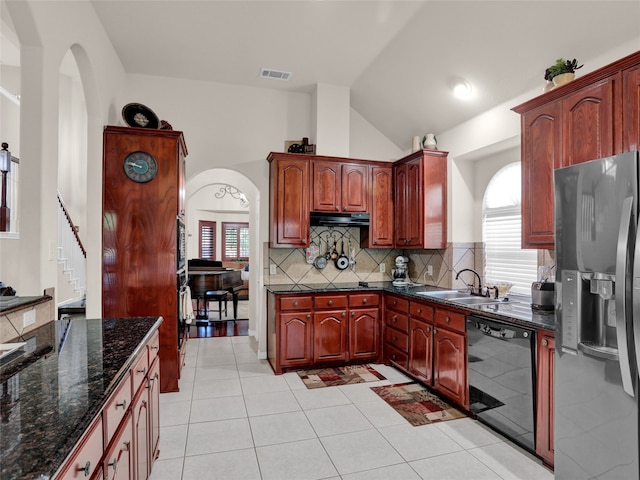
(543, 295)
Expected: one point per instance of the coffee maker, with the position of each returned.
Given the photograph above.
(401, 271)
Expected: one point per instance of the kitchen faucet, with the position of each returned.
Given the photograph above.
(476, 274)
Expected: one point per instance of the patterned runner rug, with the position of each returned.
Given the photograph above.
(327, 377)
(416, 404)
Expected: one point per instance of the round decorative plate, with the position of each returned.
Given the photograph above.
(141, 116)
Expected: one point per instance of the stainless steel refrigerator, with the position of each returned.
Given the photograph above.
(598, 319)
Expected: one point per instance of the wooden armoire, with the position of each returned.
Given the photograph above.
(143, 207)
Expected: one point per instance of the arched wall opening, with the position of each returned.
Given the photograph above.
(248, 188)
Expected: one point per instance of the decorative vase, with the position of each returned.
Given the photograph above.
(548, 86)
(415, 146)
(563, 78)
(430, 141)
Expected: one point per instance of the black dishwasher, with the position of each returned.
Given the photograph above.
(502, 378)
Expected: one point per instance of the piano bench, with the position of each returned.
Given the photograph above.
(219, 296)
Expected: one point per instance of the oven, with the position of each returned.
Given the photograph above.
(502, 378)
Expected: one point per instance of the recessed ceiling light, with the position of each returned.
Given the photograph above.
(462, 89)
(275, 74)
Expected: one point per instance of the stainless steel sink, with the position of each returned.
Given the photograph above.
(460, 297)
(445, 294)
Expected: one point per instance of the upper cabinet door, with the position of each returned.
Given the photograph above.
(380, 233)
(631, 109)
(327, 186)
(588, 120)
(541, 154)
(355, 188)
(289, 203)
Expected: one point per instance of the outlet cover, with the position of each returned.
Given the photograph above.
(383, 268)
(273, 269)
(430, 270)
(28, 318)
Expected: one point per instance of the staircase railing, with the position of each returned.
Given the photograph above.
(71, 252)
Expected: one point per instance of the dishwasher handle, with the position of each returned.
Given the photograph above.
(496, 329)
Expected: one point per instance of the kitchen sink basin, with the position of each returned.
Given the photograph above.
(461, 297)
(445, 294)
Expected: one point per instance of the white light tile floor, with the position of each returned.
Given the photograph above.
(234, 419)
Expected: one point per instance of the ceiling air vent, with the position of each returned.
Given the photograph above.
(275, 74)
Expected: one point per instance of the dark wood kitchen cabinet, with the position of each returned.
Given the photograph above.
(545, 396)
(339, 187)
(591, 117)
(381, 224)
(450, 355)
(143, 199)
(364, 326)
(289, 223)
(396, 331)
(309, 331)
(421, 342)
(420, 200)
(631, 109)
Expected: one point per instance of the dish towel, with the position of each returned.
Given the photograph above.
(187, 306)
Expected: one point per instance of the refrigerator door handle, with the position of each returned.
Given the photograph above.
(621, 294)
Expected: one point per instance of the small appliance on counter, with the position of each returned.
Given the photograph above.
(401, 272)
(543, 295)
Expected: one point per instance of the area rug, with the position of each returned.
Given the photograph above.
(328, 377)
(416, 404)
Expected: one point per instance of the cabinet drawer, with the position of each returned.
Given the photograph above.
(116, 408)
(451, 320)
(364, 300)
(86, 458)
(153, 347)
(396, 303)
(296, 303)
(139, 372)
(396, 320)
(397, 339)
(330, 301)
(421, 311)
(396, 356)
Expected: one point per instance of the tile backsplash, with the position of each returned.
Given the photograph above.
(292, 268)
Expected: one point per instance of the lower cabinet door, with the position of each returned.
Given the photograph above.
(141, 433)
(330, 336)
(154, 411)
(449, 365)
(296, 339)
(545, 389)
(421, 350)
(363, 333)
(118, 460)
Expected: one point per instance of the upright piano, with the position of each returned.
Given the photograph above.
(209, 275)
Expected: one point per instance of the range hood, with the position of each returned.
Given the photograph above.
(340, 219)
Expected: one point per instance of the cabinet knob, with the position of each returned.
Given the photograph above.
(419, 310)
(330, 302)
(86, 469)
(303, 241)
(375, 242)
(308, 315)
(545, 343)
(337, 208)
(353, 314)
(394, 303)
(295, 303)
(447, 319)
(394, 319)
(428, 329)
(434, 330)
(393, 356)
(114, 464)
(123, 404)
(155, 347)
(395, 338)
(344, 314)
(364, 300)
(142, 371)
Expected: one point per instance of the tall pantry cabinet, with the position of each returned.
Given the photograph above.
(143, 209)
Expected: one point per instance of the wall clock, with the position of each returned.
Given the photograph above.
(140, 166)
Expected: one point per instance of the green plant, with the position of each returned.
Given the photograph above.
(561, 66)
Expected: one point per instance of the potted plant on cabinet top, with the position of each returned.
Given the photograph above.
(561, 72)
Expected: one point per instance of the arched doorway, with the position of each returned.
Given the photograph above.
(205, 185)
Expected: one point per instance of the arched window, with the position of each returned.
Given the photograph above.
(505, 260)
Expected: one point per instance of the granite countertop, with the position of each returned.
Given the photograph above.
(517, 310)
(54, 390)
(9, 304)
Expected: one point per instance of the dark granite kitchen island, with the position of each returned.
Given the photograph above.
(51, 393)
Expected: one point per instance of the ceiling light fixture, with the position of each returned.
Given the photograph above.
(462, 89)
